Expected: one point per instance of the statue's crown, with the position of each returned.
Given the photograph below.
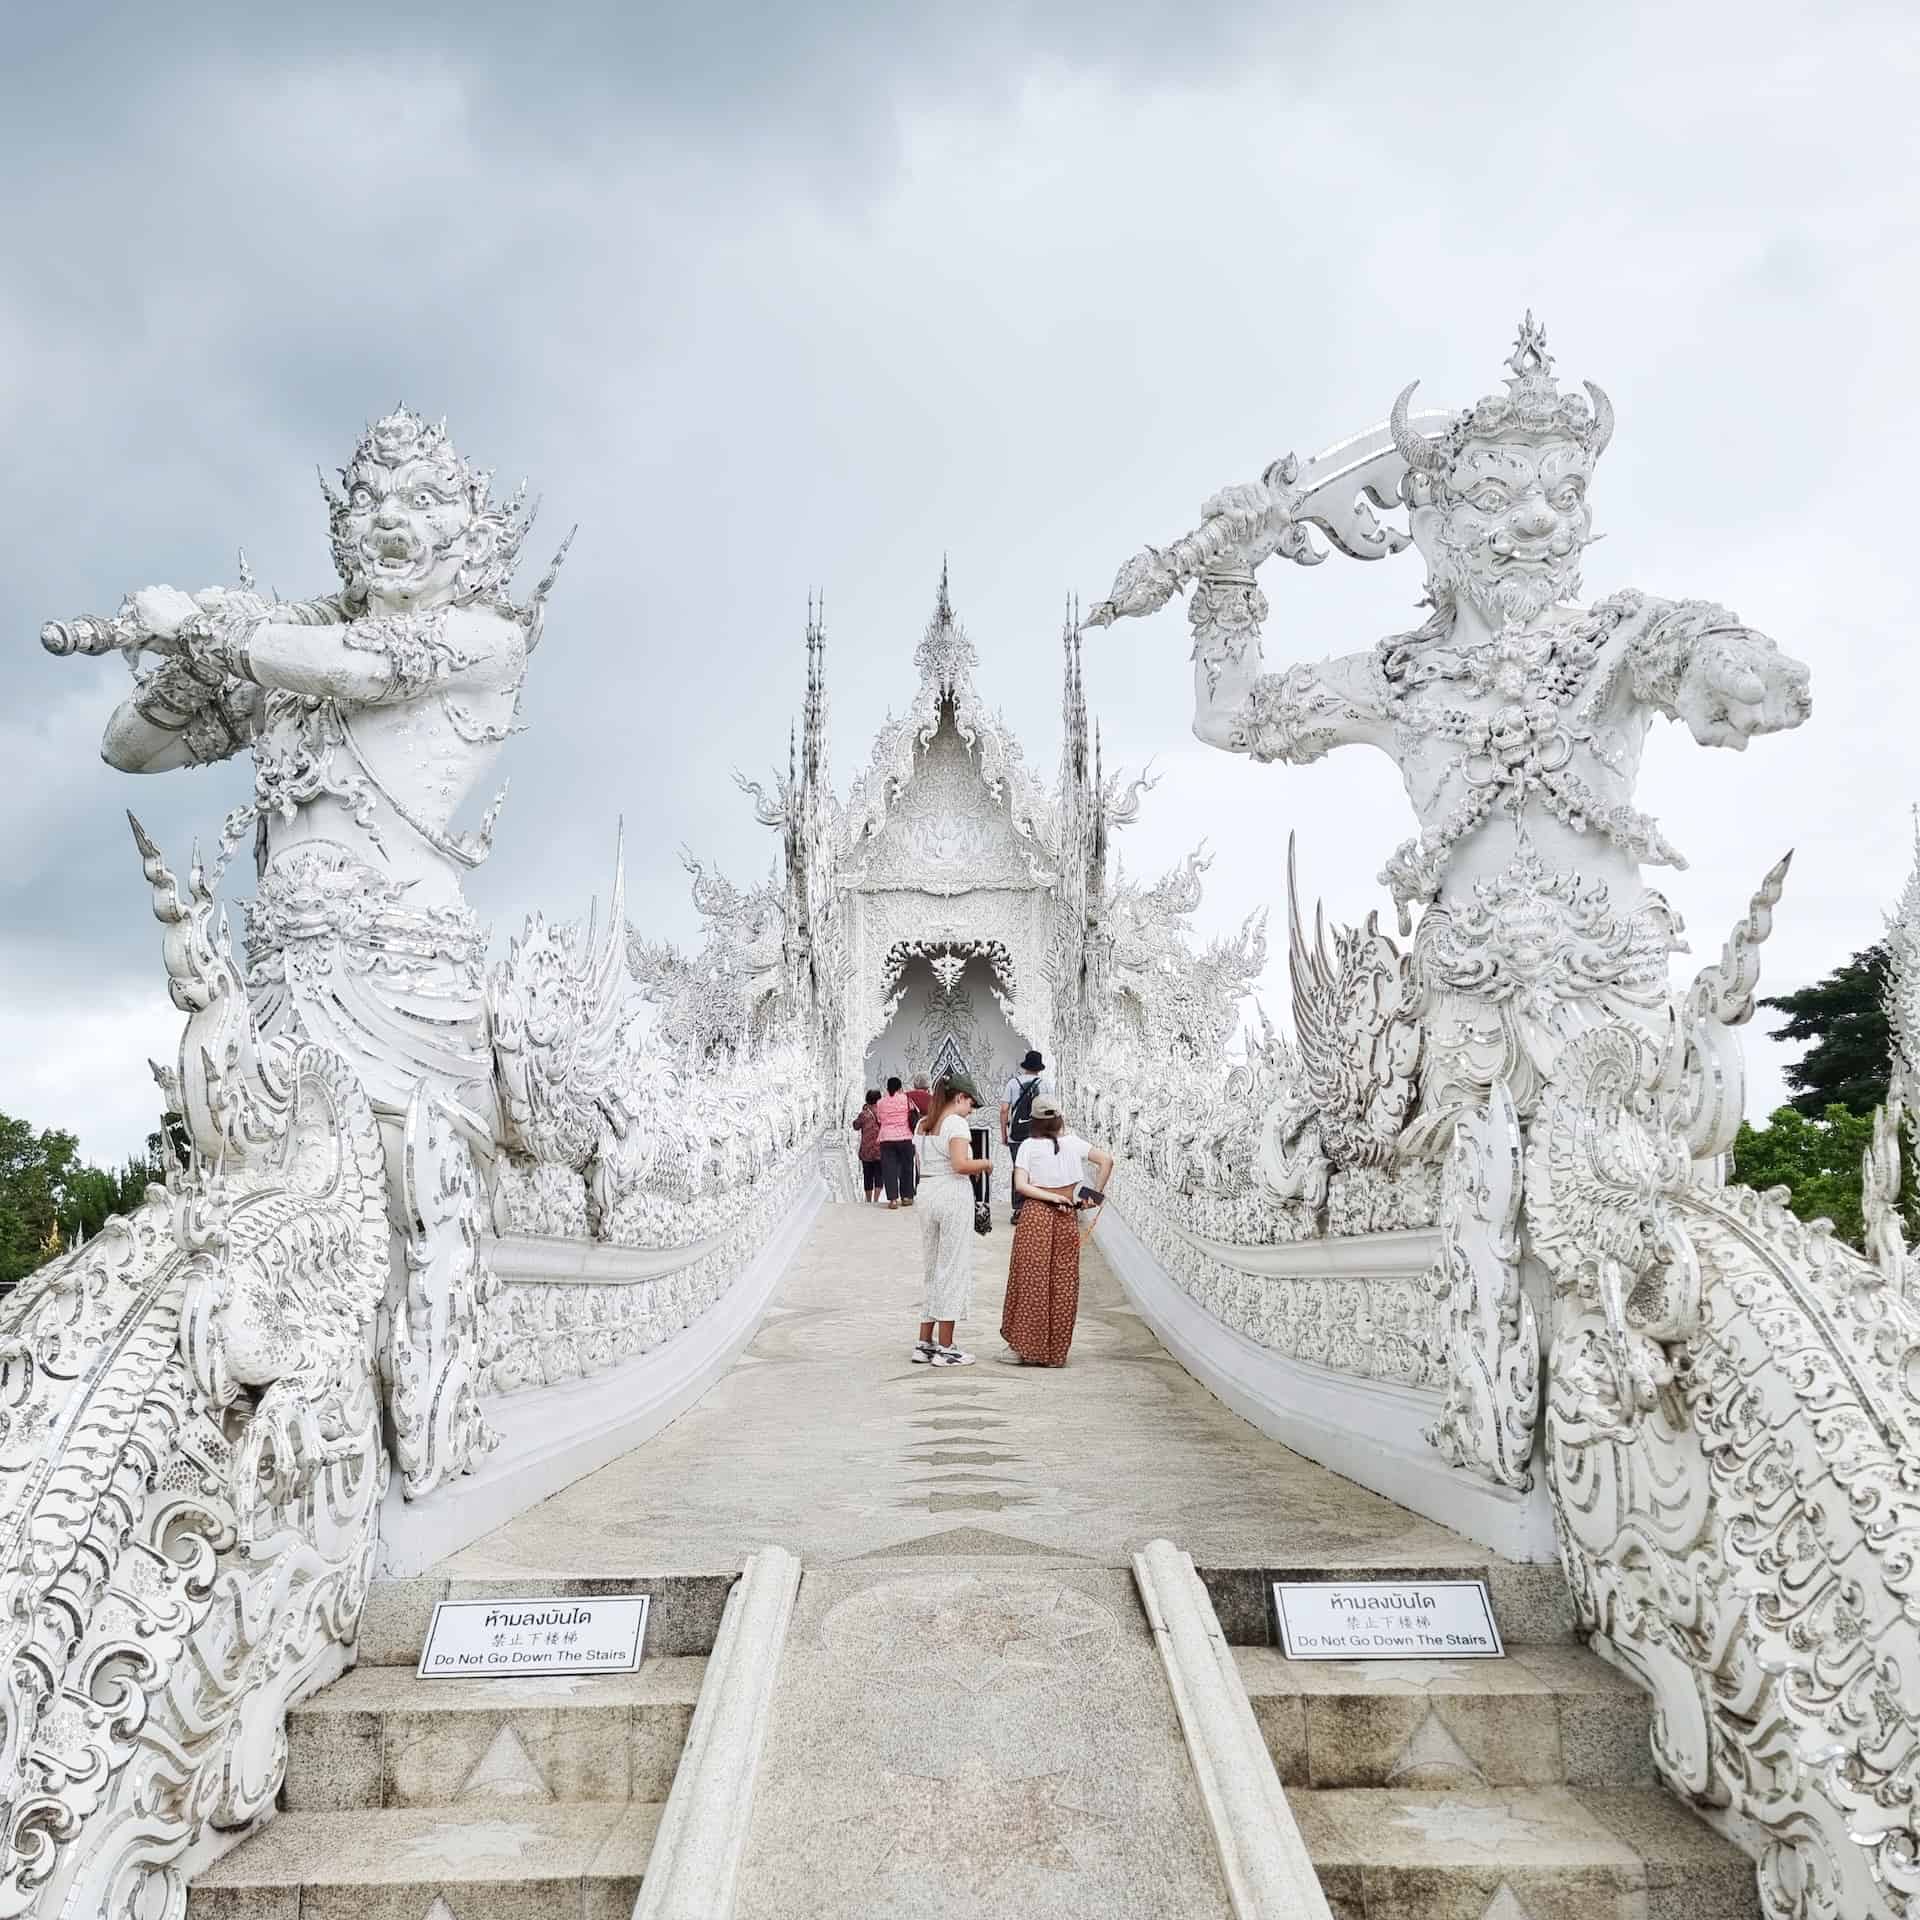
(405, 435)
(1532, 408)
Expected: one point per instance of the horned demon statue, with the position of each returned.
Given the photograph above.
(1731, 1398)
(1516, 717)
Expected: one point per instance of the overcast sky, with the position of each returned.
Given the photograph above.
(775, 298)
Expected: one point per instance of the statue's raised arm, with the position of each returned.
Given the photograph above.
(1299, 713)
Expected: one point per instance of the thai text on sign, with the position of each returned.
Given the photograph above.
(1386, 1620)
(479, 1639)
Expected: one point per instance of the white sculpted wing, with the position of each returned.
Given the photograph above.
(557, 1003)
(1357, 1033)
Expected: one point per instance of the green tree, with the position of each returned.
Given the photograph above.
(49, 1196)
(1818, 1158)
(1842, 1021)
(31, 1165)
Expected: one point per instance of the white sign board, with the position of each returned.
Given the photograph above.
(480, 1639)
(1386, 1620)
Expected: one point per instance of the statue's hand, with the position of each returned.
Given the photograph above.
(1258, 515)
(1737, 684)
(163, 611)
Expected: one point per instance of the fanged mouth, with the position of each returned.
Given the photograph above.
(392, 552)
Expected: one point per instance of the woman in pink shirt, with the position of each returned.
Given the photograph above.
(896, 1144)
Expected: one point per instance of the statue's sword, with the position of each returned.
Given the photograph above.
(1336, 491)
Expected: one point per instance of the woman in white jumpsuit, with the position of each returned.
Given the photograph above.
(943, 1145)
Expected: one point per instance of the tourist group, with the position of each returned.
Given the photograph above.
(916, 1147)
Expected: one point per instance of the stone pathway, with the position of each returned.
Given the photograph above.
(824, 1439)
(970, 1716)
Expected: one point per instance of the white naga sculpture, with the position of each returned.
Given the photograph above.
(200, 1411)
(190, 1463)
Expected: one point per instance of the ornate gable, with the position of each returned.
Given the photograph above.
(946, 831)
(946, 737)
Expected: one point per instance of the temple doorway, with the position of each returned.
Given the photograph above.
(947, 1014)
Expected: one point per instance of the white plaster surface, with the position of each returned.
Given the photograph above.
(825, 1439)
(954, 1739)
(554, 1436)
(1369, 1430)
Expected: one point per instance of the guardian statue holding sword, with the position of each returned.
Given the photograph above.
(1516, 715)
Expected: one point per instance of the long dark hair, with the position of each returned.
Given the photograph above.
(945, 1093)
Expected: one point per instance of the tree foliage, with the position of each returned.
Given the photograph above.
(1819, 1159)
(49, 1196)
(1814, 1144)
(1844, 1018)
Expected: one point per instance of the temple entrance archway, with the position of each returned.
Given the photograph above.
(947, 1011)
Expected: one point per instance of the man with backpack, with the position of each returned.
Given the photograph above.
(1016, 1107)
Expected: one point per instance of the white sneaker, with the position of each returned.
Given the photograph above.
(951, 1357)
(923, 1352)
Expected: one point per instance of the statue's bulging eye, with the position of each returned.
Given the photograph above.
(362, 497)
(1488, 498)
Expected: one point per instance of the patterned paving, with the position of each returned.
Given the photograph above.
(824, 1439)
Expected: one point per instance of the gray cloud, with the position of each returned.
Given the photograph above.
(789, 297)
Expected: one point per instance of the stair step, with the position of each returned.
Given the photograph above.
(1520, 1853)
(577, 1862)
(380, 1737)
(1543, 1716)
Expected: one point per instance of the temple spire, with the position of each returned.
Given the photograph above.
(814, 754)
(1073, 701)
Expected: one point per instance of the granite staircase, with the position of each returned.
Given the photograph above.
(528, 1799)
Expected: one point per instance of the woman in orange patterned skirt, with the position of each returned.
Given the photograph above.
(1043, 1276)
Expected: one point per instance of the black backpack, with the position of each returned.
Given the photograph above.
(1020, 1120)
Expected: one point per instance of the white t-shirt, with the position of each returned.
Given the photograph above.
(935, 1153)
(1054, 1163)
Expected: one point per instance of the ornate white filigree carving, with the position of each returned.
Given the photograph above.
(1903, 983)
(440, 1331)
(1492, 1338)
(1731, 1424)
(190, 1463)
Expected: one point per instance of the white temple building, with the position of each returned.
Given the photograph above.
(935, 920)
